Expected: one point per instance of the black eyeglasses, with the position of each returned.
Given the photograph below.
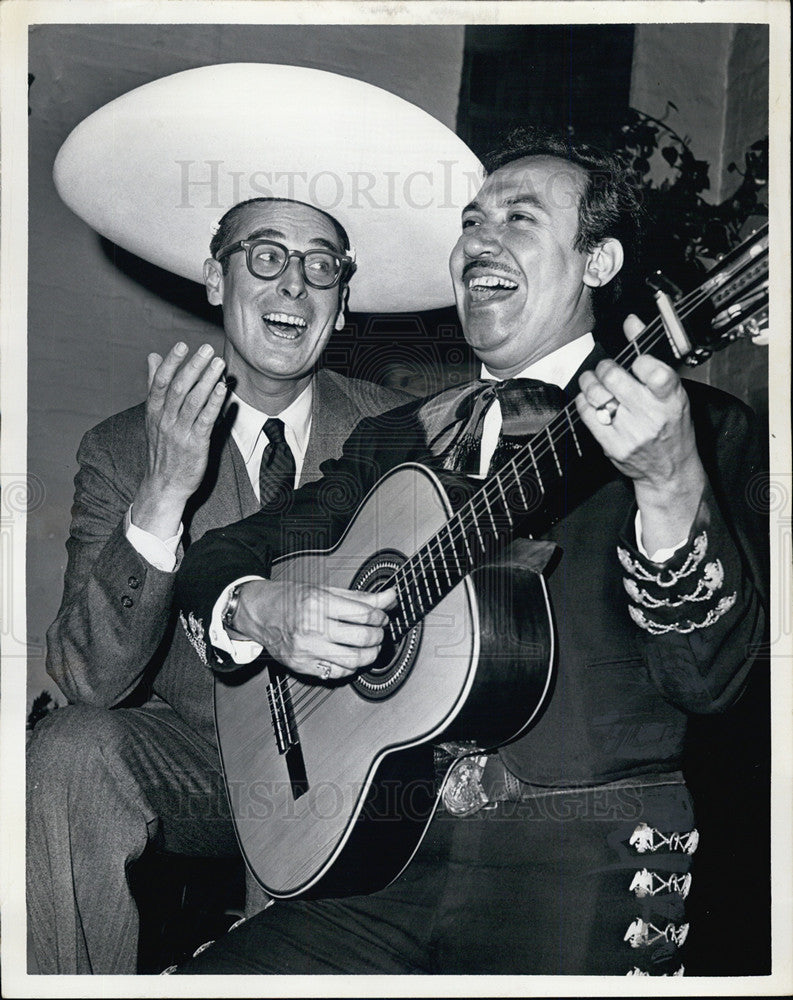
(268, 260)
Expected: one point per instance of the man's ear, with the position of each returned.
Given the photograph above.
(603, 262)
(213, 281)
(340, 319)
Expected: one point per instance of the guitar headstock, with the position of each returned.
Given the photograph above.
(730, 304)
(738, 288)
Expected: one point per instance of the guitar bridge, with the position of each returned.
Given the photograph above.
(282, 714)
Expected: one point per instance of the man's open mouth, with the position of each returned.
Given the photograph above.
(482, 287)
(285, 326)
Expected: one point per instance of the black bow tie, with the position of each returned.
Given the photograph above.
(526, 407)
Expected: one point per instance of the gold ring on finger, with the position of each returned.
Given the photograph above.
(606, 411)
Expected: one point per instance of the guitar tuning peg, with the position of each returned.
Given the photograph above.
(660, 283)
(697, 357)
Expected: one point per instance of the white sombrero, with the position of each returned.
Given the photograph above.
(155, 169)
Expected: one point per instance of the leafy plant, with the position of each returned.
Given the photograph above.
(683, 233)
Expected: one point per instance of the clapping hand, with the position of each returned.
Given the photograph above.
(184, 401)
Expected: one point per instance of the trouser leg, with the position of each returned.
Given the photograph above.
(102, 785)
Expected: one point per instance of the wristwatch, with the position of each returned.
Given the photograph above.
(230, 610)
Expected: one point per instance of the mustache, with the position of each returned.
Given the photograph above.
(490, 266)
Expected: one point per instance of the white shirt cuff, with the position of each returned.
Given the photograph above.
(160, 554)
(660, 555)
(240, 650)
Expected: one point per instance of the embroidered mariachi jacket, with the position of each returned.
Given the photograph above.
(635, 655)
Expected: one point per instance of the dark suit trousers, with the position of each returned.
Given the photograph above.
(545, 886)
(104, 785)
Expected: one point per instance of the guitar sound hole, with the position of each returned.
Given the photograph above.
(395, 661)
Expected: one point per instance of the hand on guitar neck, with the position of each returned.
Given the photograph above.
(641, 419)
(323, 632)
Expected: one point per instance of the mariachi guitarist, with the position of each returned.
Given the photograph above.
(568, 851)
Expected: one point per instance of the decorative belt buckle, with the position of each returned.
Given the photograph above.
(463, 793)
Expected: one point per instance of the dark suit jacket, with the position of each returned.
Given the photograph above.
(116, 626)
(622, 694)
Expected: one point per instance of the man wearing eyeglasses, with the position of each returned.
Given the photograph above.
(217, 439)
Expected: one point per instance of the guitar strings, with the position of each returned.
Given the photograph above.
(307, 701)
(311, 698)
(566, 419)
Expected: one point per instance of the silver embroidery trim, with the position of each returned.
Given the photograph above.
(636, 971)
(686, 626)
(641, 934)
(203, 947)
(194, 630)
(693, 559)
(712, 580)
(650, 883)
(646, 838)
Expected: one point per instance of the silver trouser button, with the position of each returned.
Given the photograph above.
(462, 790)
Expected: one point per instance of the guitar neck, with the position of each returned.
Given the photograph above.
(486, 522)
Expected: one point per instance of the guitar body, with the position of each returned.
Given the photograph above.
(332, 786)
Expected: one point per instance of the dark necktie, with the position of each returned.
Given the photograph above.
(277, 471)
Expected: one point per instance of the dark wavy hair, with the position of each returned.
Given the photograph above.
(608, 206)
(228, 223)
